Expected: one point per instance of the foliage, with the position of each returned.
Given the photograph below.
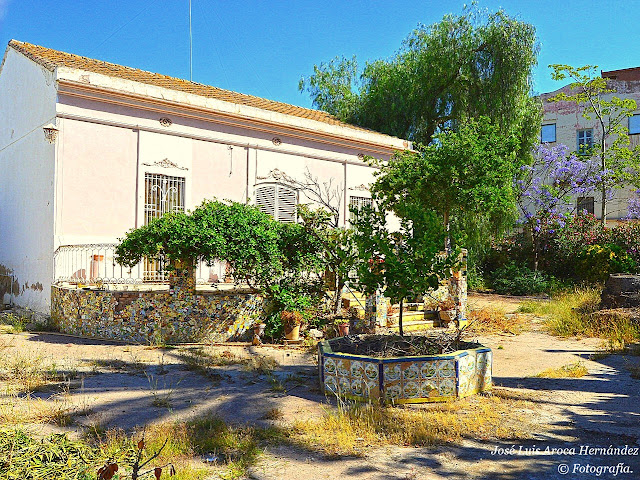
(546, 187)
(25, 458)
(513, 279)
(291, 319)
(282, 260)
(404, 263)
(174, 237)
(464, 176)
(336, 248)
(577, 248)
(596, 262)
(466, 65)
(618, 164)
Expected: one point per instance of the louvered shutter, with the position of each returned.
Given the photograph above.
(286, 204)
(266, 199)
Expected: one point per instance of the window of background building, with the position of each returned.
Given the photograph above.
(357, 203)
(279, 201)
(634, 124)
(548, 133)
(585, 141)
(585, 204)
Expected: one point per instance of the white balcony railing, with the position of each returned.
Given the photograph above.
(95, 263)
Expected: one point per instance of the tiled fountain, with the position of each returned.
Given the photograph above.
(417, 379)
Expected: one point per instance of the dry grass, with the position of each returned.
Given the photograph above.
(495, 320)
(26, 371)
(232, 449)
(20, 410)
(273, 414)
(204, 362)
(575, 313)
(572, 370)
(352, 427)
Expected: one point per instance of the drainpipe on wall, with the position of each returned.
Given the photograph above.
(246, 198)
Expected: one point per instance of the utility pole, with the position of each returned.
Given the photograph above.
(190, 46)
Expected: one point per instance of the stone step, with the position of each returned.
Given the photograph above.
(414, 326)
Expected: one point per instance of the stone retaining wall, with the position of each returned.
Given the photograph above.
(155, 317)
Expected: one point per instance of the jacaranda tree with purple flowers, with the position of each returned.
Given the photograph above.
(618, 162)
(546, 188)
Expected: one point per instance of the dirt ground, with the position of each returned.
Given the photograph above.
(126, 386)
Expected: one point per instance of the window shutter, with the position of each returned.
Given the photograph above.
(266, 199)
(287, 202)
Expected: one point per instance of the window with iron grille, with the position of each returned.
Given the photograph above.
(356, 203)
(585, 204)
(163, 194)
(585, 141)
(279, 201)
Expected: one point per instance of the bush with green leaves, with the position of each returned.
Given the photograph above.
(281, 261)
(596, 262)
(577, 249)
(512, 279)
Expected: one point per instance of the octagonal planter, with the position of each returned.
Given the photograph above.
(419, 379)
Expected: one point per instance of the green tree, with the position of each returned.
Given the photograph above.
(403, 262)
(337, 249)
(619, 164)
(466, 65)
(465, 177)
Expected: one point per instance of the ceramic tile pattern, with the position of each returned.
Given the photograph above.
(351, 378)
(407, 380)
(155, 317)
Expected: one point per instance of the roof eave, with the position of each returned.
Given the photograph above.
(130, 87)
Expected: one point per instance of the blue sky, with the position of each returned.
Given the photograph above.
(264, 47)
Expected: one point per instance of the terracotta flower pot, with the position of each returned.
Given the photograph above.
(343, 329)
(446, 316)
(293, 334)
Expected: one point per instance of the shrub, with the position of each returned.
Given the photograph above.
(520, 280)
(596, 262)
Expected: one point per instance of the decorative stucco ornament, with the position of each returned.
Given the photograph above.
(50, 132)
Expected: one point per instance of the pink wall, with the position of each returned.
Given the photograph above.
(98, 173)
(218, 172)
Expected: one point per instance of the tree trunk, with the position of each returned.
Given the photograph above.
(400, 319)
(603, 166)
(447, 238)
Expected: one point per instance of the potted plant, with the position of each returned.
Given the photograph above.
(446, 310)
(342, 324)
(291, 321)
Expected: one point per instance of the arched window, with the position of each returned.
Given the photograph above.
(279, 201)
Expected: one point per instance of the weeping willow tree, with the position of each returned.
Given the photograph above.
(469, 65)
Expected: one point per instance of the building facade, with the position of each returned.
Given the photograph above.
(125, 146)
(564, 123)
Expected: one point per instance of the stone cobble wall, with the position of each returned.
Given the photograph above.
(155, 317)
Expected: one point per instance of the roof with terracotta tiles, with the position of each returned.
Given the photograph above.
(51, 59)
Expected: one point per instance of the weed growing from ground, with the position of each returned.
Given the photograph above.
(351, 427)
(575, 313)
(495, 320)
(573, 370)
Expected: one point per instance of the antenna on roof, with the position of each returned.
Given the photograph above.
(190, 46)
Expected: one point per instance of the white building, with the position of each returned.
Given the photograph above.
(131, 145)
